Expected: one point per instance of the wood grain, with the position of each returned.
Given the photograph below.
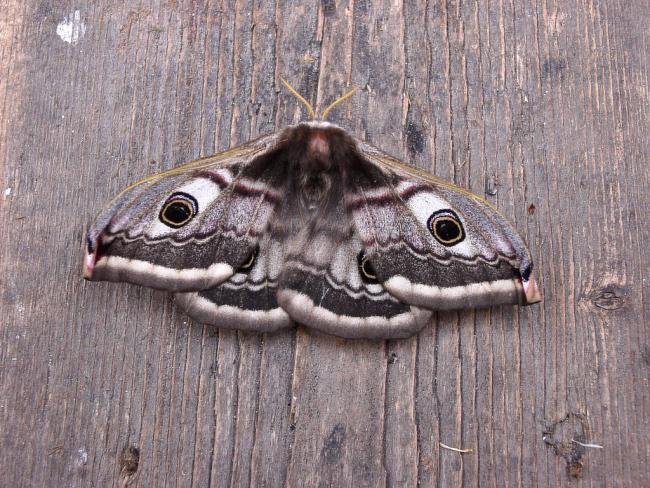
(543, 102)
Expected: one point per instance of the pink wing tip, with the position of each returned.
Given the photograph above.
(531, 291)
(89, 265)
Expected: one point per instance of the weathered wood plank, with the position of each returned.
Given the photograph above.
(540, 106)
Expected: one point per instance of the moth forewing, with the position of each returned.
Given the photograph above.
(310, 226)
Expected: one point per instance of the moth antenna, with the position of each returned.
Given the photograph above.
(300, 98)
(340, 99)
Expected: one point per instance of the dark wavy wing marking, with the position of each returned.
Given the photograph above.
(391, 205)
(236, 194)
(321, 285)
(248, 299)
(309, 226)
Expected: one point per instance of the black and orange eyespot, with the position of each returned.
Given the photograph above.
(178, 210)
(366, 269)
(446, 227)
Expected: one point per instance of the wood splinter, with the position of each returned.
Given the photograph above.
(455, 449)
(592, 446)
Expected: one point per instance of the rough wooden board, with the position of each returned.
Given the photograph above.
(547, 99)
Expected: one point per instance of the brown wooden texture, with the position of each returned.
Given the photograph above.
(542, 105)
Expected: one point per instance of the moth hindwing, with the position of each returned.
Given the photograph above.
(315, 227)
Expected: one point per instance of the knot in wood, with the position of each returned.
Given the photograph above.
(609, 297)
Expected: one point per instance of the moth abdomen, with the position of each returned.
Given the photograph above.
(311, 226)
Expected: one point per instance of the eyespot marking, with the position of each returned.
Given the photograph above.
(250, 261)
(446, 227)
(178, 210)
(366, 269)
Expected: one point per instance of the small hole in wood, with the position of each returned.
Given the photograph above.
(129, 460)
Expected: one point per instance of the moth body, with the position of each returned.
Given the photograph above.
(310, 226)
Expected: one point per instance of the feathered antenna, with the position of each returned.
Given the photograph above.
(310, 108)
(293, 91)
(340, 99)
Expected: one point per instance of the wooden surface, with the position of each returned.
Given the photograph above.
(540, 105)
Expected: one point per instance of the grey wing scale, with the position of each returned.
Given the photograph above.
(323, 284)
(486, 264)
(310, 226)
(134, 241)
(247, 300)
